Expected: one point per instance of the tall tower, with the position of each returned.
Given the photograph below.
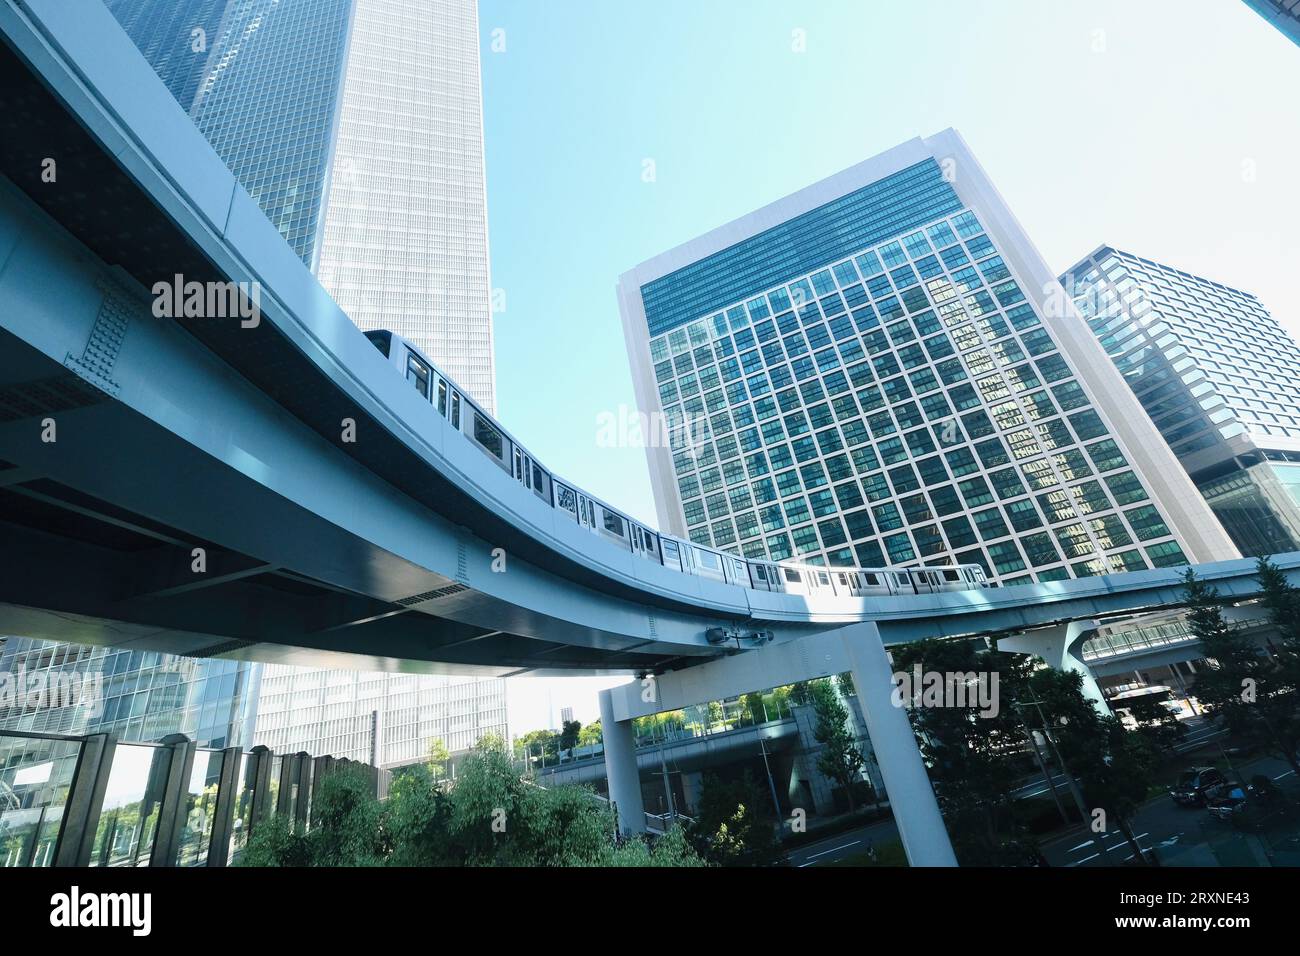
(880, 370)
(1283, 14)
(1219, 377)
(405, 242)
(357, 127)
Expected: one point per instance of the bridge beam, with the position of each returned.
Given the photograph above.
(857, 648)
(620, 768)
(1061, 646)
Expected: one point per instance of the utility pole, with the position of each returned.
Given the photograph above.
(1069, 777)
(776, 804)
(1047, 774)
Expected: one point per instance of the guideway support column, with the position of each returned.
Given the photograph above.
(1061, 646)
(911, 797)
(620, 768)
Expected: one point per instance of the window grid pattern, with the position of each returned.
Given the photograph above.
(905, 405)
(1209, 363)
(833, 230)
(333, 712)
(145, 695)
(268, 105)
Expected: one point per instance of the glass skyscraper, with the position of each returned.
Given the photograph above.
(405, 243)
(139, 695)
(1283, 14)
(357, 127)
(385, 719)
(269, 105)
(1218, 376)
(176, 38)
(880, 370)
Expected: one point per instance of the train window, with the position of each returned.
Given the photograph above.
(872, 580)
(538, 475)
(417, 373)
(487, 436)
(707, 559)
(455, 409)
(613, 523)
(760, 572)
(442, 398)
(670, 550)
(951, 575)
(792, 575)
(823, 578)
(566, 498)
(649, 542)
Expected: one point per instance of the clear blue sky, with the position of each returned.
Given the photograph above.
(1165, 127)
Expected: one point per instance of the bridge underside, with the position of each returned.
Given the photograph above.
(81, 568)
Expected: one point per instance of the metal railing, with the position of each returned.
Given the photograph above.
(98, 801)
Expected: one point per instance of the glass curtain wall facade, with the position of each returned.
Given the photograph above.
(176, 38)
(385, 719)
(381, 99)
(138, 695)
(357, 126)
(1219, 377)
(1283, 14)
(405, 243)
(269, 105)
(870, 381)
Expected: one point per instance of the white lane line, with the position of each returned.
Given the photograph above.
(833, 849)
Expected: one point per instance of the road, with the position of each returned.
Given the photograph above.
(841, 845)
(1161, 823)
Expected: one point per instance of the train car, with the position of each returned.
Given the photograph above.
(609, 523)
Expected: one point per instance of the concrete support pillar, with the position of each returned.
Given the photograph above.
(916, 811)
(85, 800)
(172, 803)
(620, 768)
(1061, 646)
(692, 787)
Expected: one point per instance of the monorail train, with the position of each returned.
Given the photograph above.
(609, 523)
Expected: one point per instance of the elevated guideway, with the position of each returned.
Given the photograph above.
(272, 490)
(398, 545)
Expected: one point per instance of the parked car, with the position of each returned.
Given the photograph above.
(1227, 802)
(1194, 784)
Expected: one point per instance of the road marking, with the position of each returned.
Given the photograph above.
(833, 849)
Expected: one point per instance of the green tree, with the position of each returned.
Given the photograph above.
(490, 816)
(970, 750)
(840, 758)
(569, 734)
(346, 828)
(418, 821)
(729, 828)
(590, 734)
(1157, 723)
(754, 706)
(437, 758)
(1252, 693)
(1113, 767)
